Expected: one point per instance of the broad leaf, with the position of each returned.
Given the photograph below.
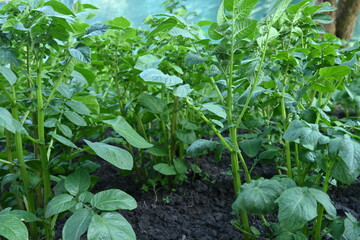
(58, 204)
(25, 216)
(77, 182)
(77, 224)
(81, 53)
(59, 7)
(63, 140)
(12, 227)
(110, 226)
(215, 109)
(297, 206)
(113, 199)
(75, 118)
(147, 61)
(200, 147)
(277, 9)
(193, 59)
(96, 29)
(157, 77)
(9, 123)
(306, 134)
(181, 32)
(244, 28)
(151, 103)
(335, 73)
(116, 156)
(258, 196)
(122, 127)
(165, 169)
(119, 22)
(251, 147)
(78, 107)
(324, 200)
(182, 90)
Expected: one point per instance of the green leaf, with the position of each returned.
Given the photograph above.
(110, 226)
(277, 9)
(119, 22)
(334, 73)
(147, 61)
(8, 75)
(215, 109)
(346, 168)
(157, 77)
(75, 118)
(116, 156)
(181, 32)
(291, 236)
(113, 199)
(165, 169)
(193, 59)
(9, 123)
(251, 147)
(77, 224)
(65, 130)
(78, 107)
(122, 127)
(64, 90)
(182, 90)
(12, 228)
(258, 196)
(186, 136)
(90, 101)
(297, 206)
(59, 7)
(63, 140)
(324, 200)
(151, 103)
(306, 134)
(215, 32)
(158, 150)
(96, 29)
(200, 147)
(244, 28)
(58, 204)
(81, 53)
(221, 16)
(50, 122)
(322, 18)
(77, 182)
(25, 216)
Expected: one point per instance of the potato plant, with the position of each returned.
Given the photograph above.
(143, 100)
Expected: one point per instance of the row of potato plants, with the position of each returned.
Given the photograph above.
(257, 89)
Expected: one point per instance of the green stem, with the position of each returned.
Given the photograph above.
(329, 167)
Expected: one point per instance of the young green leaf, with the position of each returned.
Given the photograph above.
(58, 204)
(113, 199)
(59, 7)
(25, 216)
(65, 130)
(251, 147)
(324, 200)
(334, 73)
(182, 90)
(12, 227)
(63, 140)
(157, 77)
(244, 28)
(96, 29)
(215, 109)
(277, 9)
(151, 103)
(122, 127)
(77, 182)
(200, 147)
(78, 107)
(8, 75)
(119, 22)
(147, 61)
(75, 118)
(110, 226)
(9, 123)
(81, 53)
(165, 169)
(116, 156)
(77, 224)
(193, 59)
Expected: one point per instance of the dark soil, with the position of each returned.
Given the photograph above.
(199, 209)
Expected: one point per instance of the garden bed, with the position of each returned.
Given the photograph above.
(200, 209)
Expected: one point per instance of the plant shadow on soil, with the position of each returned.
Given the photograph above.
(199, 209)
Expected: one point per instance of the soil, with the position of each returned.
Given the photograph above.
(200, 209)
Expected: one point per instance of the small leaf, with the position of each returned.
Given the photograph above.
(58, 204)
(147, 61)
(122, 127)
(81, 53)
(96, 29)
(151, 103)
(165, 169)
(182, 90)
(12, 228)
(77, 182)
(110, 226)
(77, 224)
(78, 107)
(8, 75)
(113, 199)
(157, 77)
(75, 118)
(63, 140)
(193, 59)
(215, 109)
(116, 156)
(200, 147)
(65, 130)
